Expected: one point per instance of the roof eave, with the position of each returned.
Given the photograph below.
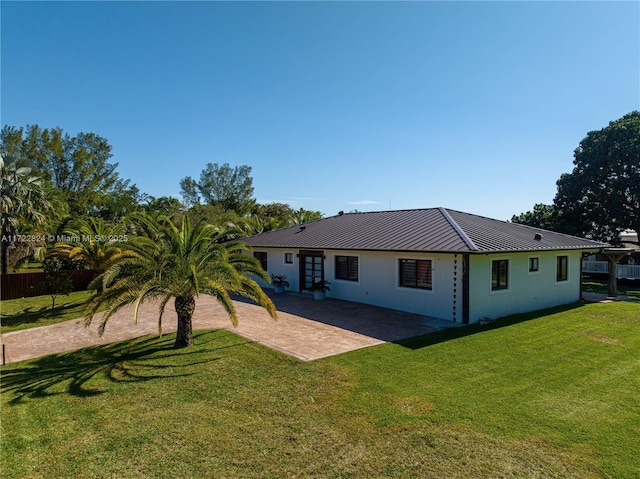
(432, 251)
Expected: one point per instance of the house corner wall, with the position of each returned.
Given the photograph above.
(527, 290)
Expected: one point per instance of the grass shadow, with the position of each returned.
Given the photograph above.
(431, 339)
(32, 315)
(143, 359)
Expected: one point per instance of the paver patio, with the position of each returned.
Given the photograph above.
(306, 329)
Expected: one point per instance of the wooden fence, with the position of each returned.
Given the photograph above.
(22, 285)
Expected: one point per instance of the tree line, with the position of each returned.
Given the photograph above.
(600, 198)
(54, 183)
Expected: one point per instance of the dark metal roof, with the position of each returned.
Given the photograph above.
(491, 235)
(431, 229)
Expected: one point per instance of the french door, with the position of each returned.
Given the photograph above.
(311, 268)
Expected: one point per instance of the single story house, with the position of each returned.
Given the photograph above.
(436, 262)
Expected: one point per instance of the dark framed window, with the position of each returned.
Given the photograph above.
(416, 273)
(262, 257)
(562, 268)
(288, 258)
(499, 274)
(347, 268)
(534, 265)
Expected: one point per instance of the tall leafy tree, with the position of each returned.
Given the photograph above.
(166, 205)
(543, 216)
(189, 191)
(77, 165)
(122, 200)
(213, 214)
(22, 198)
(229, 187)
(278, 210)
(179, 263)
(601, 196)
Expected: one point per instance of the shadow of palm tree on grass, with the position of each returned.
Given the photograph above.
(33, 315)
(144, 359)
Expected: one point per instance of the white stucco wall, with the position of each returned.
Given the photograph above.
(276, 265)
(378, 282)
(526, 291)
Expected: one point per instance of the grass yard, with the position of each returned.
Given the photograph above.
(24, 313)
(542, 395)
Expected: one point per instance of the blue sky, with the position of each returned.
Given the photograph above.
(475, 106)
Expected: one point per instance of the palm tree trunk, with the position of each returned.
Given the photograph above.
(185, 305)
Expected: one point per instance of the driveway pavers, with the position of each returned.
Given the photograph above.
(305, 329)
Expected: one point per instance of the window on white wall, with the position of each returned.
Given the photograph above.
(534, 264)
(288, 258)
(346, 268)
(562, 268)
(499, 274)
(416, 273)
(262, 257)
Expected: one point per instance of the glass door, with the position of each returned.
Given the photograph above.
(311, 268)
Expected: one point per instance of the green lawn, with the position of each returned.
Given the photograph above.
(545, 395)
(23, 313)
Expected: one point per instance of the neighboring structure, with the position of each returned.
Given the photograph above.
(629, 238)
(628, 264)
(436, 262)
(593, 266)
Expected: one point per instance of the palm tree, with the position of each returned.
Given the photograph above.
(22, 198)
(254, 225)
(304, 216)
(93, 241)
(180, 263)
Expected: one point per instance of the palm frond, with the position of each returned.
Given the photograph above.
(142, 295)
(252, 290)
(163, 304)
(221, 294)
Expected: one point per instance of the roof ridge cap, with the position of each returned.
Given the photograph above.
(468, 241)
